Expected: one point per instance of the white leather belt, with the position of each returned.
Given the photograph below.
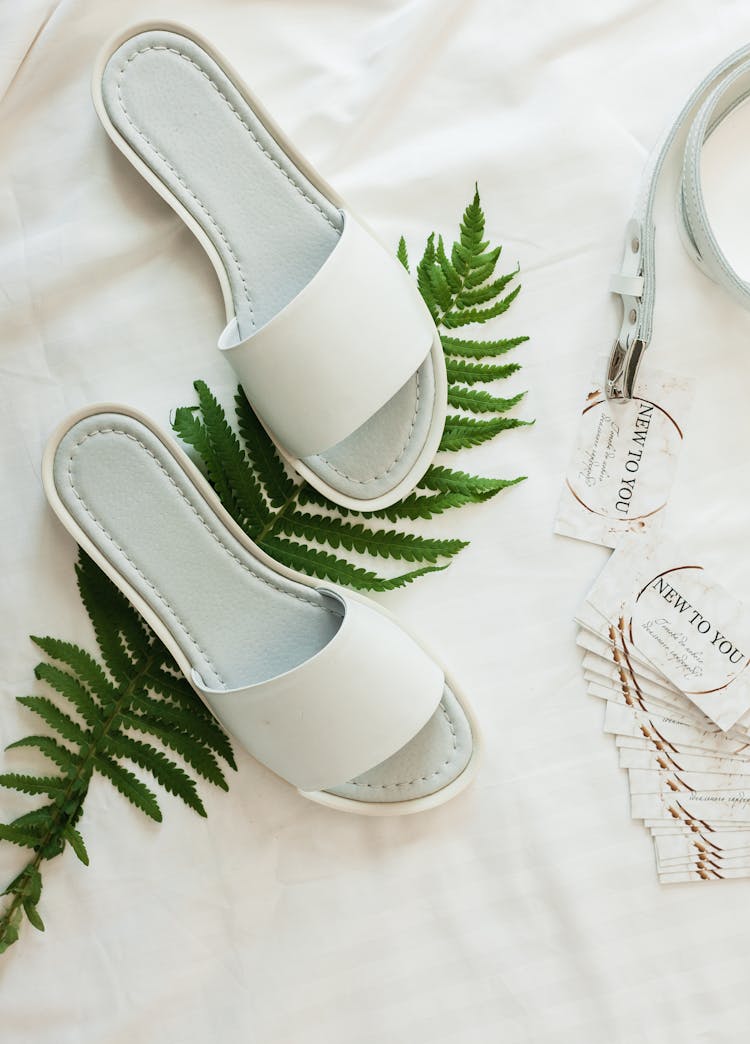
(715, 98)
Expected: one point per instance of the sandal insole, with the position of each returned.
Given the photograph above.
(236, 620)
(270, 226)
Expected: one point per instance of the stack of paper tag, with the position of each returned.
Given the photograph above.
(667, 651)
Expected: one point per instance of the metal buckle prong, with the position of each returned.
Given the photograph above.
(623, 368)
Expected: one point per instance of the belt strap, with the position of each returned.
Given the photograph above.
(715, 98)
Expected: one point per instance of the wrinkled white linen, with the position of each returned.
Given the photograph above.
(527, 910)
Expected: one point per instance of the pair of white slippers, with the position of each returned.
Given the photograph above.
(342, 362)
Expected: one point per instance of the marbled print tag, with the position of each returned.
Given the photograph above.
(625, 458)
(667, 609)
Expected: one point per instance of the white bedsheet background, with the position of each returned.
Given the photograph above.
(527, 910)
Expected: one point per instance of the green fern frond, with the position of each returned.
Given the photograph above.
(168, 775)
(465, 316)
(232, 458)
(11, 927)
(328, 567)
(81, 663)
(54, 751)
(327, 533)
(194, 754)
(16, 836)
(37, 820)
(484, 292)
(424, 280)
(447, 480)
(76, 842)
(452, 278)
(129, 785)
(181, 710)
(418, 506)
(415, 506)
(460, 288)
(109, 699)
(52, 786)
(473, 373)
(108, 612)
(465, 432)
(472, 228)
(384, 543)
(32, 915)
(479, 349)
(71, 688)
(194, 432)
(481, 268)
(202, 734)
(441, 291)
(480, 401)
(278, 486)
(58, 720)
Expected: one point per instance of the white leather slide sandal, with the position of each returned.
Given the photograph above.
(320, 685)
(327, 333)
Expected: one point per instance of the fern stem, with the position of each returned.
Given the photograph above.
(270, 526)
(64, 817)
(19, 898)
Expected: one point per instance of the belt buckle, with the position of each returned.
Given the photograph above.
(622, 371)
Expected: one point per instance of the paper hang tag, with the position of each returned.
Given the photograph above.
(625, 458)
(667, 609)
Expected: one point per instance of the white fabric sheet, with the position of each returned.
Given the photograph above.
(527, 910)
